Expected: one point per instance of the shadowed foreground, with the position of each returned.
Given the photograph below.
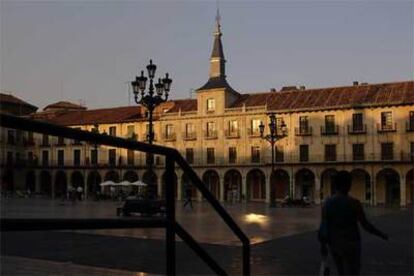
(296, 255)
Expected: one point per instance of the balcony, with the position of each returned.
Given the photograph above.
(386, 128)
(77, 143)
(169, 137)
(211, 134)
(409, 126)
(28, 142)
(188, 136)
(45, 144)
(232, 134)
(330, 130)
(253, 132)
(303, 131)
(357, 129)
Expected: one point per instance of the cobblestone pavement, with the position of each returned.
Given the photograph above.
(290, 250)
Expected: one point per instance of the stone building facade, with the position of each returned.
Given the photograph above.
(366, 129)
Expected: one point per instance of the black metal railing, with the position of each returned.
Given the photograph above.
(169, 223)
(357, 129)
(303, 131)
(330, 130)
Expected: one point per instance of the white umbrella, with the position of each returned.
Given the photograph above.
(123, 183)
(139, 183)
(107, 183)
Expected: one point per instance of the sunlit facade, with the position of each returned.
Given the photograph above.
(366, 129)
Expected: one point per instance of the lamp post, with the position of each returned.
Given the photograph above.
(157, 93)
(272, 138)
(95, 147)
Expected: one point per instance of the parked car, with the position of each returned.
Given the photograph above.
(143, 207)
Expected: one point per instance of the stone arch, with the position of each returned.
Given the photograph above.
(212, 180)
(151, 179)
(388, 187)
(256, 185)
(279, 179)
(93, 180)
(7, 181)
(60, 184)
(233, 185)
(77, 180)
(112, 176)
(130, 176)
(186, 184)
(31, 181)
(327, 183)
(45, 183)
(163, 185)
(409, 190)
(361, 185)
(305, 184)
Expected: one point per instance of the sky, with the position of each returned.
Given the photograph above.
(89, 51)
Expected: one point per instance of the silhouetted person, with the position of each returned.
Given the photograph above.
(339, 227)
(188, 198)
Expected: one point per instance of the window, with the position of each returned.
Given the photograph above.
(211, 105)
(112, 157)
(303, 124)
(279, 155)
(189, 155)
(358, 152)
(61, 157)
(17, 157)
(411, 121)
(357, 122)
(387, 151)
(233, 126)
(149, 159)
(77, 142)
(412, 151)
(255, 154)
(30, 156)
(9, 157)
(130, 157)
(210, 156)
(131, 131)
(45, 140)
(232, 155)
(255, 127)
(76, 157)
(10, 137)
(190, 131)
(279, 123)
(112, 131)
(304, 153)
(211, 129)
(61, 141)
(30, 139)
(169, 132)
(94, 157)
(330, 152)
(386, 120)
(45, 158)
(330, 124)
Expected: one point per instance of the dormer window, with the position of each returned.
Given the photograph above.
(211, 105)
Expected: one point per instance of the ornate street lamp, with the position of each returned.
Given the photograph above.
(157, 93)
(272, 138)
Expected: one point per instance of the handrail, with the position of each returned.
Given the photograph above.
(10, 121)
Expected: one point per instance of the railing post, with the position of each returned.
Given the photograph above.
(170, 214)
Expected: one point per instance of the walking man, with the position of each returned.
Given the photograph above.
(341, 214)
(188, 197)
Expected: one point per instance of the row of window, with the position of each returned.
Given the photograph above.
(304, 129)
(330, 154)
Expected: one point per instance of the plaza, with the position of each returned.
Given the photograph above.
(283, 240)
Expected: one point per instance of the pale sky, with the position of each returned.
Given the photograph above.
(89, 50)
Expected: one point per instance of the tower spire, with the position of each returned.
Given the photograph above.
(217, 59)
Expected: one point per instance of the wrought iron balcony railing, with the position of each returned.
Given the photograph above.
(303, 131)
(386, 128)
(357, 129)
(330, 130)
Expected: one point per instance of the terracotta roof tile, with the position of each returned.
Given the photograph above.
(64, 105)
(10, 99)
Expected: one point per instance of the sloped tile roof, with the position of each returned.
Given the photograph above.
(10, 99)
(64, 105)
(397, 93)
(184, 105)
(97, 116)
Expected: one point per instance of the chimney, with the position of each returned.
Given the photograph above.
(302, 87)
(355, 83)
(273, 90)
